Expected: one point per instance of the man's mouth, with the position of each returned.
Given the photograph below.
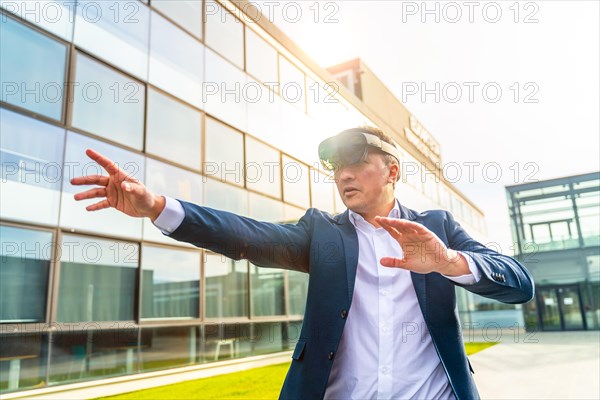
(350, 191)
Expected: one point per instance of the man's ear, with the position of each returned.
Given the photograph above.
(394, 171)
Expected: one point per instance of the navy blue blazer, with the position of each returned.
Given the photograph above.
(326, 247)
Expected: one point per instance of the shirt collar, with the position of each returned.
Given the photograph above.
(356, 218)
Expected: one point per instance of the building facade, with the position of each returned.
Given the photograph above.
(556, 226)
(203, 101)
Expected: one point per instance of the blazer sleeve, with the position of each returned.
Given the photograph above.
(503, 278)
(262, 243)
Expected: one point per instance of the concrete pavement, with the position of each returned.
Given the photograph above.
(545, 365)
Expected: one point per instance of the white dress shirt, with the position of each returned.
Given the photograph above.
(385, 350)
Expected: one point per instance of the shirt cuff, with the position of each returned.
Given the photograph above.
(468, 279)
(171, 216)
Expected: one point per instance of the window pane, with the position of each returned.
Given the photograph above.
(261, 58)
(188, 14)
(267, 291)
(73, 214)
(97, 280)
(226, 287)
(265, 209)
(115, 31)
(178, 69)
(170, 181)
(170, 283)
(263, 172)
(32, 69)
(295, 182)
(54, 16)
(226, 91)
(31, 153)
(225, 197)
(173, 130)
(297, 290)
(224, 153)
(168, 347)
(224, 33)
(108, 104)
(24, 269)
(322, 187)
(291, 81)
(28, 349)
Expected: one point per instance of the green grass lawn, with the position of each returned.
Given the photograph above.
(258, 383)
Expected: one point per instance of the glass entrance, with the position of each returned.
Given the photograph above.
(560, 308)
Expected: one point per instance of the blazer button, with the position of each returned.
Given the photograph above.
(344, 314)
(330, 355)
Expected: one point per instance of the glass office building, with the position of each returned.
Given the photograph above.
(556, 226)
(200, 102)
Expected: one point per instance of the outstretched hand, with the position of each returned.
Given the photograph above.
(118, 190)
(424, 252)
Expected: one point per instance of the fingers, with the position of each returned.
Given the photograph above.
(90, 194)
(393, 262)
(402, 225)
(104, 162)
(90, 180)
(101, 205)
(392, 231)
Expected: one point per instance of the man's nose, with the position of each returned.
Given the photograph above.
(344, 173)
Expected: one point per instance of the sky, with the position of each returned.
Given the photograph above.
(508, 88)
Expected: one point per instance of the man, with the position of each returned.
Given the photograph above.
(381, 318)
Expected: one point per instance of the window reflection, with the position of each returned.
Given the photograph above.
(24, 274)
(31, 153)
(322, 187)
(295, 182)
(170, 283)
(267, 291)
(58, 15)
(224, 153)
(224, 33)
(263, 168)
(32, 69)
(226, 286)
(225, 197)
(115, 31)
(173, 130)
(187, 13)
(97, 280)
(291, 83)
(178, 69)
(108, 104)
(261, 58)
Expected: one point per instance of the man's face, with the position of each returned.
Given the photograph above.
(365, 187)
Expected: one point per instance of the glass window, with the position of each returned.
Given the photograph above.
(28, 350)
(84, 352)
(224, 33)
(267, 291)
(291, 83)
(263, 172)
(261, 58)
(108, 104)
(224, 153)
(266, 209)
(296, 179)
(170, 283)
(32, 69)
(226, 92)
(73, 214)
(322, 187)
(265, 115)
(116, 31)
(31, 153)
(226, 286)
(186, 13)
(173, 346)
(97, 280)
(179, 69)
(54, 16)
(25, 257)
(170, 181)
(297, 290)
(225, 197)
(173, 130)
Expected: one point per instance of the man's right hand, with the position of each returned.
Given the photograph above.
(118, 190)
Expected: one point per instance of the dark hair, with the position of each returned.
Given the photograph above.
(373, 130)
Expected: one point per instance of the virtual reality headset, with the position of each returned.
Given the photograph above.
(351, 147)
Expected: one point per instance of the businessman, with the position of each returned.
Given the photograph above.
(381, 318)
